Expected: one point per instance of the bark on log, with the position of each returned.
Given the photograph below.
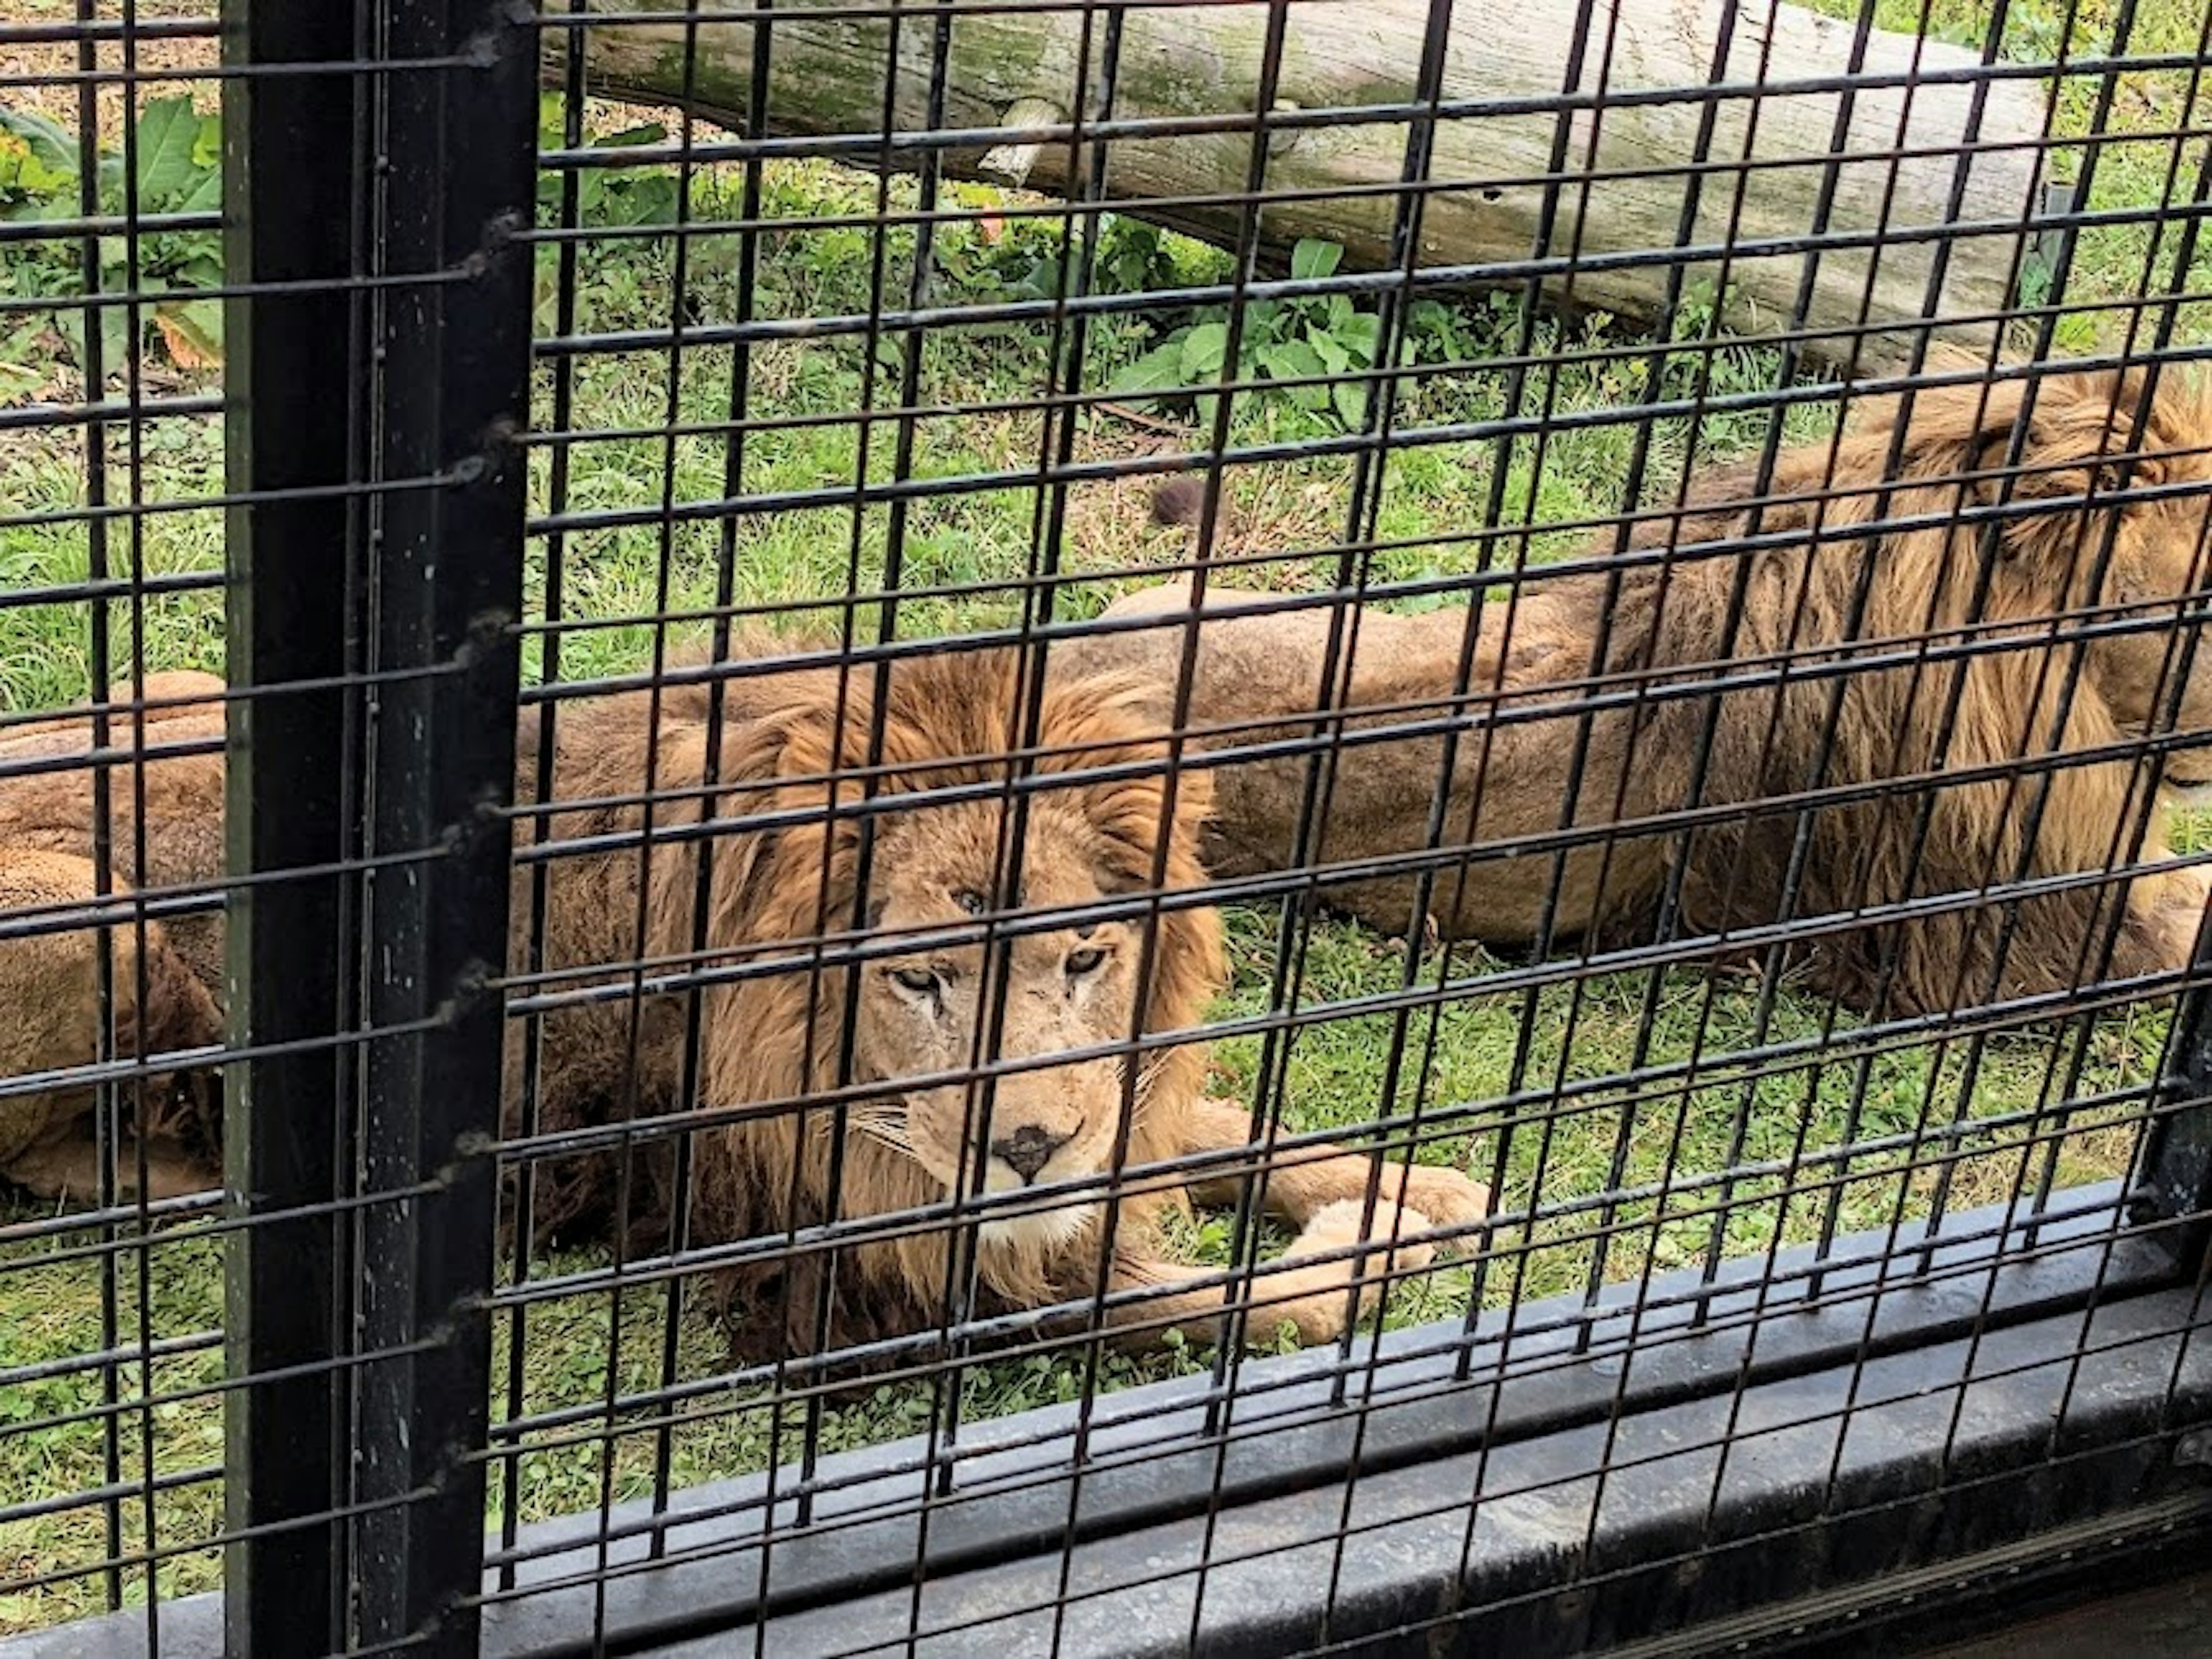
(1020, 71)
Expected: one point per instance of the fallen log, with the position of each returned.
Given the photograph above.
(1580, 168)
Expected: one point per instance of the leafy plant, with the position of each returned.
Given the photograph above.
(621, 197)
(38, 164)
(1020, 258)
(617, 197)
(177, 156)
(1300, 342)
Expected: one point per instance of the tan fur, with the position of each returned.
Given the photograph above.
(46, 798)
(49, 983)
(773, 1042)
(1541, 655)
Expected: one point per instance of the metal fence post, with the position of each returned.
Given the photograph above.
(458, 154)
(290, 185)
(383, 397)
(2173, 1186)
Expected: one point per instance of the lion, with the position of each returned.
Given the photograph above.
(1760, 660)
(49, 979)
(1050, 1136)
(1091, 967)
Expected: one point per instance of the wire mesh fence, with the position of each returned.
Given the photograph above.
(1211, 825)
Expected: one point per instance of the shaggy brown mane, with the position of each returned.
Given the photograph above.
(1849, 563)
(947, 720)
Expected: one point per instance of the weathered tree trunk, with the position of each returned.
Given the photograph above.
(1628, 168)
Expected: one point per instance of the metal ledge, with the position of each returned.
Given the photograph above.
(1614, 1505)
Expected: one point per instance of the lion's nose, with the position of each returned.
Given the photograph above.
(1028, 1150)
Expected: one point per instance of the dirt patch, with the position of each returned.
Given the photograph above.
(51, 77)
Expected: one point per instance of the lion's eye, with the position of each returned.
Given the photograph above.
(1084, 962)
(922, 982)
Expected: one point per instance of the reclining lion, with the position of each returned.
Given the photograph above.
(1096, 979)
(1844, 758)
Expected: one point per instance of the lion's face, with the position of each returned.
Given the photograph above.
(1068, 990)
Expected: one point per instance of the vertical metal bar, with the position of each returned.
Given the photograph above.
(288, 177)
(2173, 1190)
(457, 148)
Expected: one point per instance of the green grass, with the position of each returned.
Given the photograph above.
(1474, 1046)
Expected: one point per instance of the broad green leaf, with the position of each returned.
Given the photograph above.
(1204, 350)
(1295, 359)
(22, 171)
(1351, 401)
(1157, 370)
(168, 128)
(1356, 336)
(650, 200)
(205, 196)
(1289, 359)
(1313, 258)
(651, 133)
(207, 147)
(52, 147)
(1333, 356)
(1040, 281)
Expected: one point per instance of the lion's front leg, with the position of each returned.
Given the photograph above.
(1305, 1184)
(67, 1170)
(1321, 1298)
(2164, 912)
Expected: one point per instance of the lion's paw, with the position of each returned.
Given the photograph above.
(1448, 1195)
(1336, 1227)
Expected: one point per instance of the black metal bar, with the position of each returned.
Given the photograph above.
(458, 149)
(2173, 1186)
(288, 182)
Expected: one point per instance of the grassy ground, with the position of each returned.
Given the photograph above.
(52, 1302)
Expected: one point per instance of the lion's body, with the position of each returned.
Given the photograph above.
(47, 795)
(49, 982)
(1643, 686)
(789, 1148)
